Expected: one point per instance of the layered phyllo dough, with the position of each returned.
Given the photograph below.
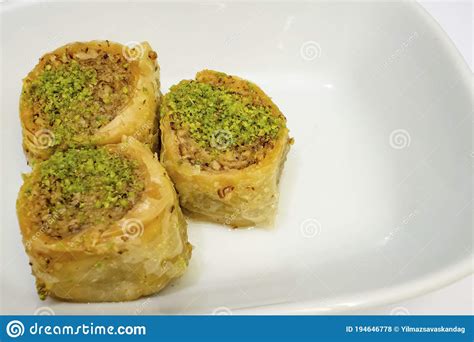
(90, 93)
(102, 224)
(224, 143)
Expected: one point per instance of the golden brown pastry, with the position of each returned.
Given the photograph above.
(102, 224)
(224, 143)
(90, 93)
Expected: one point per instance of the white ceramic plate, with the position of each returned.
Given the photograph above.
(376, 193)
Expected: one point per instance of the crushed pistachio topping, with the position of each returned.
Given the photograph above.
(41, 290)
(74, 97)
(211, 114)
(80, 188)
(222, 122)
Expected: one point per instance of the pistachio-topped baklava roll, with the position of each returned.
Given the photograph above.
(90, 93)
(224, 143)
(102, 224)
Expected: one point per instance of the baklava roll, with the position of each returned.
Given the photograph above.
(224, 143)
(102, 224)
(90, 93)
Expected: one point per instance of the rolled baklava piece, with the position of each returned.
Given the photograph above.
(224, 143)
(102, 224)
(90, 93)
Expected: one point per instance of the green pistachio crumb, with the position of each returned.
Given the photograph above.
(84, 185)
(75, 97)
(63, 91)
(210, 112)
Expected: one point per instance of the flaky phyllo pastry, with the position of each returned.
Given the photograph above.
(224, 143)
(90, 93)
(102, 224)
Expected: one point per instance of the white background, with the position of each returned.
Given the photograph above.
(456, 19)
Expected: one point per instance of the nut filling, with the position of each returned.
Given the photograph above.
(222, 122)
(82, 188)
(77, 92)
